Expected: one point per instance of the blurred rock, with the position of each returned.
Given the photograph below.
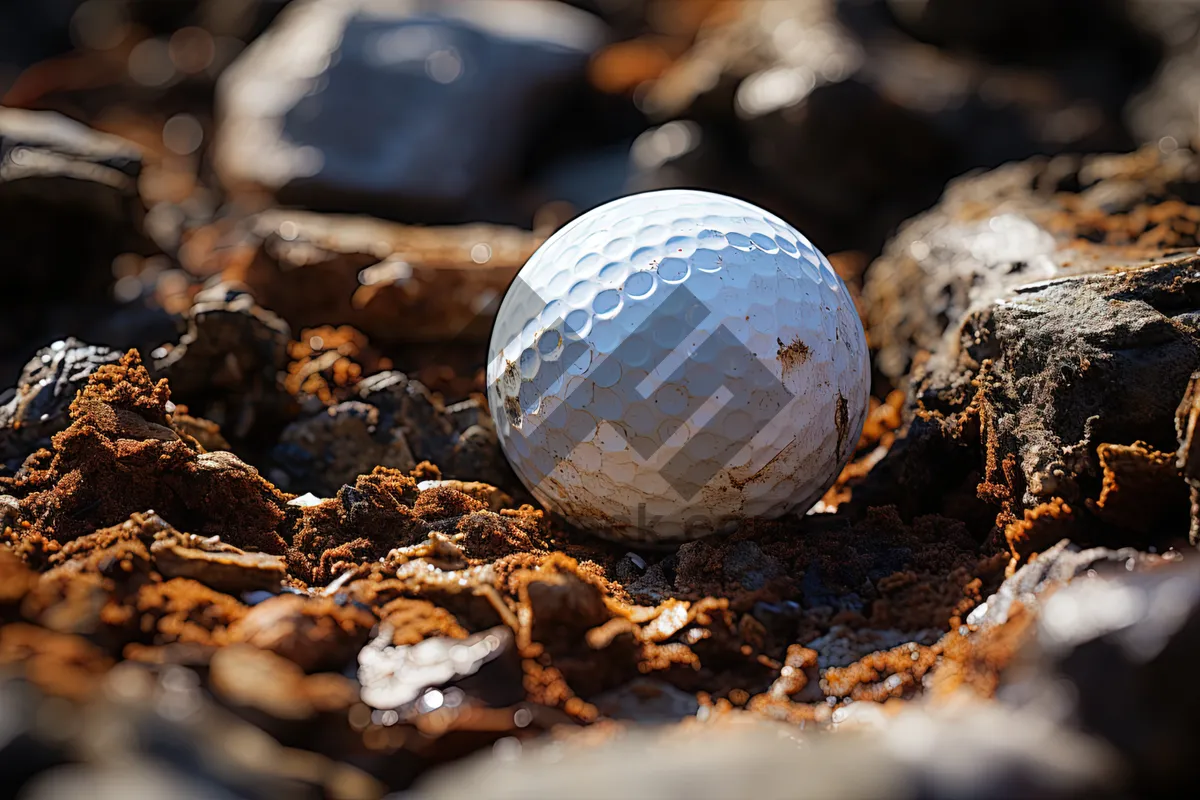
(1050, 570)
(248, 677)
(1043, 219)
(836, 117)
(395, 283)
(68, 206)
(37, 408)
(227, 569)
(1135, 630)
(415, 110)
(974, 751)
(316, 633)
(647, 701)
(175, 742)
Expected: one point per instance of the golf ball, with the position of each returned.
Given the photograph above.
(674, 362)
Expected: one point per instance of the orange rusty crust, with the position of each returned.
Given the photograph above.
(1039, 528)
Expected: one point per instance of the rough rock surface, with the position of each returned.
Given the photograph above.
(226, 366)
(1037, 220)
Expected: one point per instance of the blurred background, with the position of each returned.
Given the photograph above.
(503, 119)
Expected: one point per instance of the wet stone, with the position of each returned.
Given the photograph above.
(396, 676)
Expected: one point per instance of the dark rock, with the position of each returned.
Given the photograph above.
(322, 452)
(747, 565)
(414, 83)
(1113, 654)
(68, 205)
(1039, 220)
(226, 365)
(460, 439)
(647, 701)
(37, 408)
(1062, 368)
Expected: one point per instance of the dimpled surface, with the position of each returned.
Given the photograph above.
(643, 413)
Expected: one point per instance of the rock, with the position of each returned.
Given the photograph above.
(977, 751)
(332, 448)
(445, 283)
(837, 117)
(180, 743)
(1063, 368)
(1039, 220)
(647, 701)
(1049, 571)
(119, 456)
(226, 365)
(68, 206)
(37, 408)
(1139, 631)
(460, 439)
(413, 80)
(316, 633)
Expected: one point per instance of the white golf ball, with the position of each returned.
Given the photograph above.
(672, 363)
